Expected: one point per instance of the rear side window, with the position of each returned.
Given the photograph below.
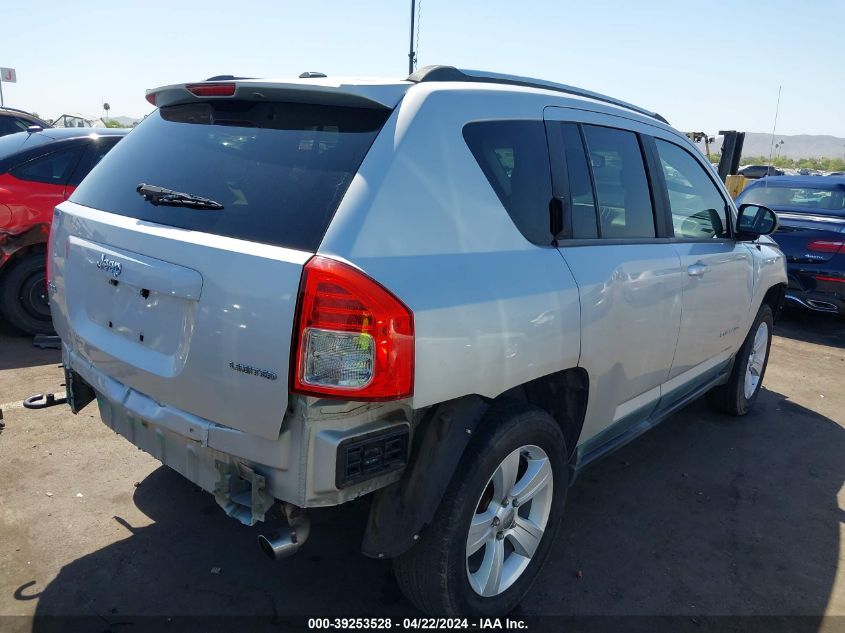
(515, 159)
(53, 169)
(94, 153)
(698, 209)
(279, 169)
(584, 224)
(624, 197)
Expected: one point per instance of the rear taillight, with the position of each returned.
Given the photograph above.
(150, 97)
(825, 246)
(354, 339)
(212, 89)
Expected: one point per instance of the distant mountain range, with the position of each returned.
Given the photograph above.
(756, 143)
(794, 146)
(128, 121)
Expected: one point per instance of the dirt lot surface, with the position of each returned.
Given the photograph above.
(702, 517)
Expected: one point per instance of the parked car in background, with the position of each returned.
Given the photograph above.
(811, 211)
(837, 173)
(38, 170)
(13, 121)
(758, 171)
(286, 291)
(74, 119)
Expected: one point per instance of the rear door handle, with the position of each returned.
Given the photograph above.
(697, 269)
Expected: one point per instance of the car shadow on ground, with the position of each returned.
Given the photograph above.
(811, 327)
(704, 516)
(17, 351)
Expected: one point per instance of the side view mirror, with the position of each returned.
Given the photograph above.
(755, 220)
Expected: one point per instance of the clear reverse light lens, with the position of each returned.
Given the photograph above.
(338, 359)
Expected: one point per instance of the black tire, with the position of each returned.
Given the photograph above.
(730, 398)
(23, 293)
(433, 573)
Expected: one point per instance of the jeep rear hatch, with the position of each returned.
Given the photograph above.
(194, 306)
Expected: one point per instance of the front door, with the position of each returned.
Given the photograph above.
(717, 271)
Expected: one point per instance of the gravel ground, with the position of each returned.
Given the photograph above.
(705, 516)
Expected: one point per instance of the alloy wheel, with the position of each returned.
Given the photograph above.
(509, 521)
(756, 360)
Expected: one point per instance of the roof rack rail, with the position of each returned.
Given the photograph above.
(450, 73)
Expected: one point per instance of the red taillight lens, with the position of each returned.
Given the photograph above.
(212, 90)
(825, 246)
(151, 97)
(354, 339)
(840, 280)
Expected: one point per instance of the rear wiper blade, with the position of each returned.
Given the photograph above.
(168, 197)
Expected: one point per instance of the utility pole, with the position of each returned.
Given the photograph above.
(411, 53)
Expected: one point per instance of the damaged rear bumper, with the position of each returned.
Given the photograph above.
(245, 473)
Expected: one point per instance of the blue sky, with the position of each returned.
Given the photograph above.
(703, 65)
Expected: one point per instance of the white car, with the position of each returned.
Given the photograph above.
(450, 293)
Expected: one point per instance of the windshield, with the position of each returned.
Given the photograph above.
(278, 169)
(809, 199)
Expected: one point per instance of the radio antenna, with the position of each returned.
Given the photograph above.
(774, 129)
(412, 57)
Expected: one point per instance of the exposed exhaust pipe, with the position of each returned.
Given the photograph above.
(814, 304)
(822, 306)
(288, 541)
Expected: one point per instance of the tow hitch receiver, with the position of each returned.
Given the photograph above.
(40, 401)
(241, 492)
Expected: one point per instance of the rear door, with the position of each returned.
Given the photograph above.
(717, 270)
(627, 273)
(194, 308)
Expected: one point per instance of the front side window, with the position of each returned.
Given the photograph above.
(624, 198)
(515, 159)
(698, 208)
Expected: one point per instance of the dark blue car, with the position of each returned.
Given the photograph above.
(811, 211)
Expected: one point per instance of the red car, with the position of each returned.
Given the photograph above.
(38, 170)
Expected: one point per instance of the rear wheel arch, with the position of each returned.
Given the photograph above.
(563, 395)
(402, 510)
(453, 569)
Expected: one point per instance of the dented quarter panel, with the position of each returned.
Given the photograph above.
(11, 243)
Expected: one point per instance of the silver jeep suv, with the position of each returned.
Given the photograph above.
(450, 293)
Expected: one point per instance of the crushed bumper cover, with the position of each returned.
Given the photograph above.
(244, 472)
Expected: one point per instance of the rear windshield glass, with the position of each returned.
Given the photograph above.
(279, 169)
(813, 200)
(11, 144)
